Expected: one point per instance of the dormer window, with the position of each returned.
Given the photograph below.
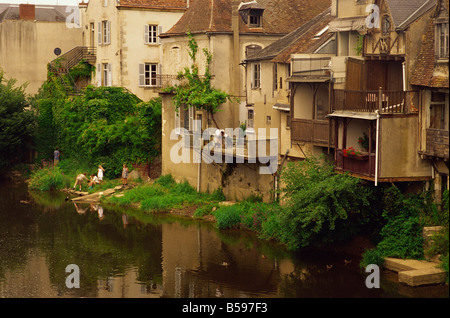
(386, 26)
(251, 14)
(254, 20)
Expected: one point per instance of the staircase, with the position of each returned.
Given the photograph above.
(65, 62)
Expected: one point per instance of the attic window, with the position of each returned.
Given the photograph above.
(442, 40)
(254, 19)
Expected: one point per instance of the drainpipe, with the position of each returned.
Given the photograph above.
(404, 76)
(377, 146)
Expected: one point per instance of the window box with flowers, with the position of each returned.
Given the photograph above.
(354, 154)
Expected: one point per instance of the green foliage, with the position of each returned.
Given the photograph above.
(321, 205)
(228, 217)
(49, 179)
(402, 235)
(372, 256)
(82, 70)
(16, 123)
(197, 90)
(104, 125)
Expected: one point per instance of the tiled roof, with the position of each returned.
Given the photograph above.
(424, 73)
(280, 17)
(165, 4)
(404, 12)
(300, 40)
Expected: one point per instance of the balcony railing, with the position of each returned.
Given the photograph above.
(313, 131)
(388, 102)
(317, 67)
(363, 164)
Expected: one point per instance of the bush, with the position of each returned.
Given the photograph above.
(372, 256)
(48, 179)
(228, 217)
(321, 206)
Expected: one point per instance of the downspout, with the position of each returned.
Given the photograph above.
(377, 146)
(404, 76)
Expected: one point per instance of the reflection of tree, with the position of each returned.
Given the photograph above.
(101, 248)
(15, 229)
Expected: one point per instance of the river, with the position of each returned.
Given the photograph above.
(125, 253)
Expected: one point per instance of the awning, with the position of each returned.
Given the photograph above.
(348, 24)
(356, 115)
(282, 107)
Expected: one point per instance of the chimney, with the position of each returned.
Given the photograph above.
(27, 12)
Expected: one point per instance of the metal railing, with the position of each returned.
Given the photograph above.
(72, 57)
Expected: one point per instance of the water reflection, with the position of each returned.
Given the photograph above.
(123, 253)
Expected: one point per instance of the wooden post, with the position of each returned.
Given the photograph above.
(380, 99)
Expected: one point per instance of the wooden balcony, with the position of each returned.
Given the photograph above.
(312, 131)
(362, 165)
(310, 68)
(437, 143)
(387, 102)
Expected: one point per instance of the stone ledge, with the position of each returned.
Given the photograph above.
(416, 272)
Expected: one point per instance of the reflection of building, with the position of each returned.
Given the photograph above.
(28, 41)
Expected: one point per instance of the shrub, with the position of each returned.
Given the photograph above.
(48, 179)
(166, 181)
(228, 217)
(372, 256)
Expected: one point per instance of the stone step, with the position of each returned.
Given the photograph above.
(416, 272)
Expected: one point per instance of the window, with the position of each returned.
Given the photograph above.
(386, 27)
(254, 19)
(148, 74)
(104, 74)
(151, 34)
(439, 111)
(256, 75)
(442, 40)
(250, 118)
(252, 50)
(104, 32)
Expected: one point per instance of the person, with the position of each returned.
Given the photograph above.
(56, 155)
(125, 175)
(79, 180)
(100, 173)
(93, 181)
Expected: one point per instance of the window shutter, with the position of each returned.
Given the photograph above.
(146, 33)
(99, 75)
(177, 122)
(99, 32)
(159, 33)
(159, 76)
(109, 75)
(108, 32)
(141, 74)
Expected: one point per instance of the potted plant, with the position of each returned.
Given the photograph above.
(363, 141)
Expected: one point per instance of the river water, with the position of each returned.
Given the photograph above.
(123, 253)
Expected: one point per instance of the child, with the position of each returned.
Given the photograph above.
(124, 175)
(79, 180)
(100, 173)
(93, 181)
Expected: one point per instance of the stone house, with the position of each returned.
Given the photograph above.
(28, 41)
(430, 78)
(232, 31)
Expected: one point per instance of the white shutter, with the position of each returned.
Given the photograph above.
(99, 75)
(141, 74)
(109, 75)
(99, 32)
(108, 32)
(159, 33)
(177, 122)
(146, 33)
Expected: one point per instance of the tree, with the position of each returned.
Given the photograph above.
(197, 90)
(16, 122)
